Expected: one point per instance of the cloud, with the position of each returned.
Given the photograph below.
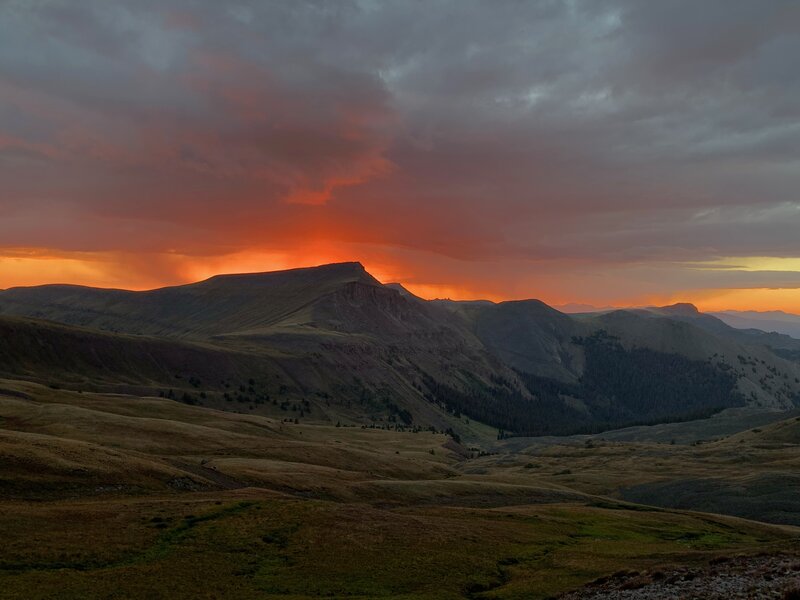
(441, 140)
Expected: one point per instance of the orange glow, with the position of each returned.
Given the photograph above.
(108, 270)
(25, 267)
(452, 292)
(29, 267)
(787, 300)
(757, 299)
(25, 271)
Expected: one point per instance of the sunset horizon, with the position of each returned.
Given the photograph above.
(86, 273)
(564, 151)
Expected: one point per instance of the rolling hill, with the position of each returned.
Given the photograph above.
(747, 471)
(119, 495)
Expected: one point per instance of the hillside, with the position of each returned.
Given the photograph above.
(276, 384)
(532, 337)
(733, 468)
(88, 359)
(331, 343)
(780, 343)
(764, 377)
(652, 367)
(220, 305)
(263, 507)
(769, 322)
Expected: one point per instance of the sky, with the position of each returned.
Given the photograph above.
(607, 152)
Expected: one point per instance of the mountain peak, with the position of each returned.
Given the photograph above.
(343, 271)
(685, 309)
(347, 265)
(353, 268)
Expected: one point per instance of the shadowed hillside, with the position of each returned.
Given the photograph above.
(780, 343)
(333, 343)
(222, 304)
(770, 321)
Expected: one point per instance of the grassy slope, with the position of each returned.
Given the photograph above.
(85, 359)
(752, 473)
(144, 497)
(252, 544)
(51, 353)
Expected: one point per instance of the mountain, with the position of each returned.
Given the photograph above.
(331, 344)
(220, 305)
(331, 337)
(541, 341)
(531, 336)
(597, 371)
(771, 322)
(780, 344)
(332, 300)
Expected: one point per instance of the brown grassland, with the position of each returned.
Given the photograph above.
(113, 496)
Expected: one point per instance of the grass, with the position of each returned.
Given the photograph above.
(91, 509)
(751, 474)
(252, 544)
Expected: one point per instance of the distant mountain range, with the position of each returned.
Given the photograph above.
(773, 321)
(331, 343)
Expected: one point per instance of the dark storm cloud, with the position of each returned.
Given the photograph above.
(613, 131)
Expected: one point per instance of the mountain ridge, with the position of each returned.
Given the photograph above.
(371, 349)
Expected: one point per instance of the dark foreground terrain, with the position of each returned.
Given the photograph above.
(115, 496)
(737, 578)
